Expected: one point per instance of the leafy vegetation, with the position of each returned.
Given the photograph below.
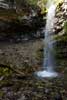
(65, 27)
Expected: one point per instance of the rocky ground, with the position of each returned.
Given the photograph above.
(27, 57)
(18, 54)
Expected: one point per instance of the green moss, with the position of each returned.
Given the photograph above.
(5, 72)
(1, 94)
(65, 27)
(39, 54)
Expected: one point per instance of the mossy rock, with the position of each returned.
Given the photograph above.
(65, 27)
(1, 94)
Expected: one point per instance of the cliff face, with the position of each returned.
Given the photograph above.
(29, 24)
(61, 31)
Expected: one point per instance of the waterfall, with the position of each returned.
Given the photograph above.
(48, 62)
(48, 50)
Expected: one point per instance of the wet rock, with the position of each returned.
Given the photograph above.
(1, 78)
(47, 91)
(25, 26)
(57, 29)
(1, 51)
(58, 97)
(22, 97)
(61, 21)
(59, 14)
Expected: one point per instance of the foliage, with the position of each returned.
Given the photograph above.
(33, 2)
(5, 72)
(58, 1)
(65, 27)
(42, 4)
(36, 3)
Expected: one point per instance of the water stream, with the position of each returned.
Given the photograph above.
(48, 62)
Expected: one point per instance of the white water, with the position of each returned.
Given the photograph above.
(48, 62)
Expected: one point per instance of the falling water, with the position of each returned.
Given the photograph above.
(48, 62)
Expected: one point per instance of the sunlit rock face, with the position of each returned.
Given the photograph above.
(48, 62)
(65, 5)
(3, 5)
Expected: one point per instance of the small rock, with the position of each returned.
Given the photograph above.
(61, 21)
(1, 78)
(47, 91)
(22, 97)
(58, 97)
(1, 51)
